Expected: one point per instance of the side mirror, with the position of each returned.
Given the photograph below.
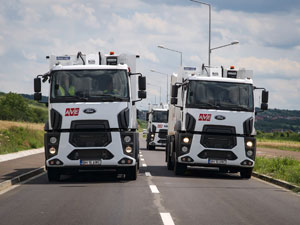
(147, 116)
(264, 106)
(265, 96)
(142, 94)
(37, 85)
(174, 91)
(37, 96)
(173, 101)
(142, 84)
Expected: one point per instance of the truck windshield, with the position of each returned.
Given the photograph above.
(160, 116)
(89, 85)
(220, 95)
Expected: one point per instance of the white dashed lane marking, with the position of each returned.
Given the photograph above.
(144, 165)
(148, 174)
(167, 219)
(154, 189)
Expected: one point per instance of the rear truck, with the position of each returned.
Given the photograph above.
(211, 120)
(157, 128)
(92, 113)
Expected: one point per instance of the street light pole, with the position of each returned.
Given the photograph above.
(209, 27)
(154, 71)
(160, 46)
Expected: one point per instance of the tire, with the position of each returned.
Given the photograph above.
(147, 145)
(170, 164)
(53, 174)
(151, 147)
(179, 168)
(131, 173)
(246, 173)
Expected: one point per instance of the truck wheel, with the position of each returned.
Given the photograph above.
(147, 145)
(246, 173)
(151, 147)
(179, 168)
(131, 173)
(170, 164)
(53, 174)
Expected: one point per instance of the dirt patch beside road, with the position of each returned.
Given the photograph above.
(277, 153)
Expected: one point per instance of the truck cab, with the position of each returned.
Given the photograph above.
(157, 127)
(92, 113)
(211, 120)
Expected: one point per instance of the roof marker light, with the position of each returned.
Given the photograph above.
(231, 67)
(111, 53)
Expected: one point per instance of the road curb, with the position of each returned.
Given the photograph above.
(278, 182)
(16, 180)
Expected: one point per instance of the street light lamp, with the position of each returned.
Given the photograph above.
(160, 46)
(232, 43)
(154, 71)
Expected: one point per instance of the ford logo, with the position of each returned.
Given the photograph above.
(220, 117)
(89, 111)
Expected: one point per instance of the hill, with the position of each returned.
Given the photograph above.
(278, 120)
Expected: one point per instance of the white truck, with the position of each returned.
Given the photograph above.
(157, 128)
(211, 120)
(92, 113)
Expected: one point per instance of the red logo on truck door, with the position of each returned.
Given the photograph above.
(204, 117)
(72, 112)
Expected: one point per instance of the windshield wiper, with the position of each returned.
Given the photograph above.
(74, 98)
(113, 97)
(234, 107)
(208, 104)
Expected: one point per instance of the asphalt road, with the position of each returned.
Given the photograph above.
(156, 197)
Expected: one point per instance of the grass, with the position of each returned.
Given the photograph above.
(285, 168)
(7, 124)
(17, 136)
(279, 144)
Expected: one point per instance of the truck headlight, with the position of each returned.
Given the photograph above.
(52, 151)
(128, 149)
(53, 140)
(249, 144)
(127, 139)
(186, 140)
(152, 135)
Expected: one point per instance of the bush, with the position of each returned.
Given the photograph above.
(19, 138)
(14, 107)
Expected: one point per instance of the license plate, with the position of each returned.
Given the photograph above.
(217, 161)
(90, 162)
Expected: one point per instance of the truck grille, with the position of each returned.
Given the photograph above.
(90, 154)
(213, 154)
(162, 133)
(90, 133)
(218, 137)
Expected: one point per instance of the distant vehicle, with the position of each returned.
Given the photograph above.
(157, 118)
(92, 113)
(211, 120)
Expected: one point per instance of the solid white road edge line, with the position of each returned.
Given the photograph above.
(167, 219)
(154, 189)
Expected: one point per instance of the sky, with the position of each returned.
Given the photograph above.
(268, 33)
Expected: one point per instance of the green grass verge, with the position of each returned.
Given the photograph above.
(15, 139)
(286, 169)
(142, 125)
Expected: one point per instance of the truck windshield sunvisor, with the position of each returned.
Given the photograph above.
(220, 95)
(89, 86)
